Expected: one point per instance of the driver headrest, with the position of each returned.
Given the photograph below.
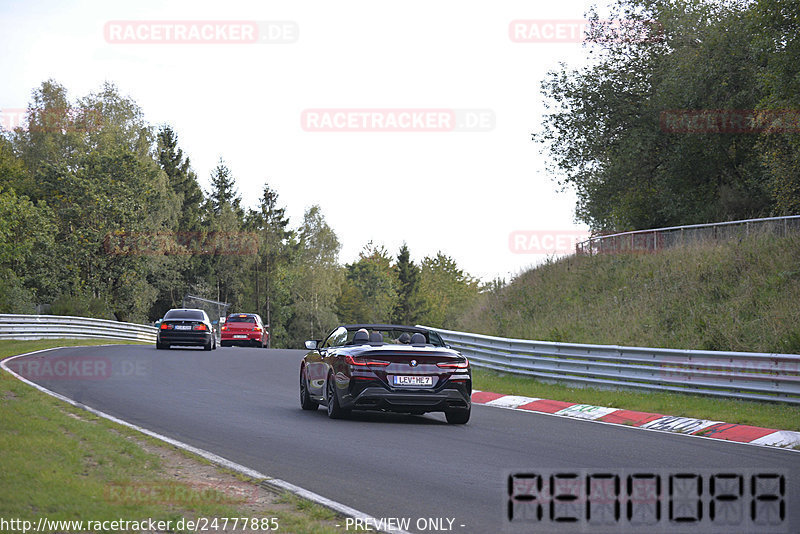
(375, 337)
(418, 339)
(360, 337)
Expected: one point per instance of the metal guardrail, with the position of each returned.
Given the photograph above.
(65, 326)
(737, 375)
(660, 238)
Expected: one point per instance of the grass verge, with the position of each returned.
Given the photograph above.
(763, 414)
(10, 347)
(65, 464)
(738, 295)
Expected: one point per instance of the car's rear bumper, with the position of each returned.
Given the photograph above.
(251, 339)
(454, 396)
(184, 338)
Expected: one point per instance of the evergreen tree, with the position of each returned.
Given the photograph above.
(271, 295)
(409, 304)
(181, 179)
(223, 190)
(174, 275)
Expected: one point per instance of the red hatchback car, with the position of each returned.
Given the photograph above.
(245, 329)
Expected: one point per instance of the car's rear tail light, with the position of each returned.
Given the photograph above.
(224, 328)
(363, 363)
(165, 326)
(454, 365)
(199, 327)
(257, 328)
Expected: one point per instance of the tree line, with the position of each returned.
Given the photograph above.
(688, 111)
(102, 215)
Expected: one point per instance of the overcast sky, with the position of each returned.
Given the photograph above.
(461, 175)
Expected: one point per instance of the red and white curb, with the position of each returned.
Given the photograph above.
(651, 421)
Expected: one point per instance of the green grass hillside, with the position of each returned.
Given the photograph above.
(741, 295)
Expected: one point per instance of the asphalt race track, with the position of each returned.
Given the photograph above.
(242, 404)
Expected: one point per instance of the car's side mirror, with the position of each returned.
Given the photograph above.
(311, 344)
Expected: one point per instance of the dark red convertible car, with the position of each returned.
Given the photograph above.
(386, 368)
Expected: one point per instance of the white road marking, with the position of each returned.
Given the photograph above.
(210, 456)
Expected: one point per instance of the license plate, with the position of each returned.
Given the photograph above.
(240, 336)
(182, 327)
(419, 381)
